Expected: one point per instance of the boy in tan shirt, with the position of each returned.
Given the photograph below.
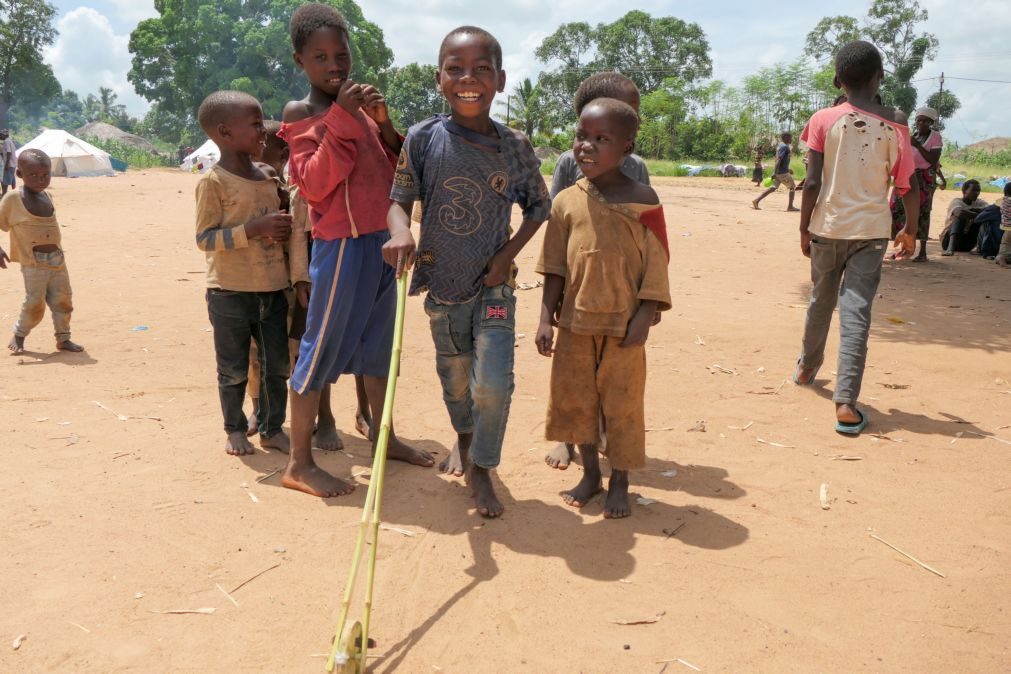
(245, 236)
(605, 257)
(28, 214)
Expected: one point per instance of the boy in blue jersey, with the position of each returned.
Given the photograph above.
(469, 170)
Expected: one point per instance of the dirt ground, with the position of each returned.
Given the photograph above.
(118, 502)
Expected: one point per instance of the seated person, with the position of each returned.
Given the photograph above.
(960, 229)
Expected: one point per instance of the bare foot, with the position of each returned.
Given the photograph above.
(67, 345)
(363, 425)
(616, 506)
(398, 451)
(791, 209)
(488, 504)
(327, 438)
(584, 492)
(252, 422)
(278, 441)
(237, 445)
(17, 345)
(315, 481)
(561, 456)
(754, 204)
(452, 464)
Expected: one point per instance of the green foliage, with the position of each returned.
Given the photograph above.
(195, 47)
(946, 103)
(26, 27)
(524, 109)
(411, 96)
(831, 33)
(134, 157)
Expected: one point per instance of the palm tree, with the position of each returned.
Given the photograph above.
(523, 108)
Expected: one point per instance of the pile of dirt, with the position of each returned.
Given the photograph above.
(104, 131)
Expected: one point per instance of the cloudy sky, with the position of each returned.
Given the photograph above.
(91, 50)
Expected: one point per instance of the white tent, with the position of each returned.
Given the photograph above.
(203, 158)
(71, 156)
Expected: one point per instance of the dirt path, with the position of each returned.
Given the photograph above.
(107, 520)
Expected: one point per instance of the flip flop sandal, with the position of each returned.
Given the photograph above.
(850, 428)
(796, 376)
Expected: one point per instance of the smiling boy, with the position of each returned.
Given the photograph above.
(469, 170)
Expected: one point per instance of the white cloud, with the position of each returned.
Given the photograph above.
(132, 11)
(88, 54)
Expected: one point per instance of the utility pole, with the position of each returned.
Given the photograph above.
(509, 100)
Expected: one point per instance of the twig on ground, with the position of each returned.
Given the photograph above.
(906, 554)
(770, 391)
(230, 597)
(679, 661)
(270, 474)
(716, 367)
(641, 621)
(823, 496)
(249, 580)
(882, 436)
(181, 611)
(742, 428)
(992, 437)
(405, 532)
(844, 457)
(82, 628)
(775, 444)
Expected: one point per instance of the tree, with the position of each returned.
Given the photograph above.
(831, 33)
(411, 95)
(523, 108)
(946, 103)
(196, 47)
(26, 26)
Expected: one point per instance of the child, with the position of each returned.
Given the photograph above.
(856, 149)
(245, 236)
(600, 85)
(1004, 256)
(781, 174)
(343, 152)
(606, 250)
(756, 173)
(30, 217)
(469, 170)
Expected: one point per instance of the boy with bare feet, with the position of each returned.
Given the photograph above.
(469, 170)
(857, 150)
(781, 174)
(28, 214)
(605, 257)
(599, 85)
(245, 236)
(343, 153)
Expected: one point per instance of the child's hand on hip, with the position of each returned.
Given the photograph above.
(545, 339)
(498, 270)
(399, 251)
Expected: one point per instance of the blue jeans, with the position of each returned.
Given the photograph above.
(474, 345)
(238, 317)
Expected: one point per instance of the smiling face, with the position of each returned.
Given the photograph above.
(35, 173)
(244, 131)
(602, 141)
(326, 59)
(468, 76)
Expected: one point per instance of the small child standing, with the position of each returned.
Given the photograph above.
(469, 170)
(245, 237)
(343, 153)
(30, 217)
(1004, 255)
(605, 257)
(857, 151)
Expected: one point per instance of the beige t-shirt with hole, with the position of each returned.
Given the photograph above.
(27, 230)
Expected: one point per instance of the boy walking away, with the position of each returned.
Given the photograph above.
(857, 148)
(30, 217)
(1004, 254)
(9, 163)
(781, 174)
(468, 170)
(605, 258)
(343, 153)
(245, 237)
(600, 85)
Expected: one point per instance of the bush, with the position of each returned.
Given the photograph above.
(133, 156)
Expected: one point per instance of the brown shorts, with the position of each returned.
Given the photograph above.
(593, 378)
(784, 179)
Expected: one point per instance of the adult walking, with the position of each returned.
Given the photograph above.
(8, 153)
(927, 145)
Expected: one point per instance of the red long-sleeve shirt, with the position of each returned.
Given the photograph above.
(343, 170)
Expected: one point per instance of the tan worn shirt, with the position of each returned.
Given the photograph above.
(225, 203)
(27, 230)
(610, 261)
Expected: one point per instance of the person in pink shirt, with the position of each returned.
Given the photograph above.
(857, 151)
(927, 145)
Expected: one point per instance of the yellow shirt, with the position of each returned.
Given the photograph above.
(225, 203)
(27, 230)
(610, 261)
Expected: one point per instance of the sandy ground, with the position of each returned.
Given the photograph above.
(109, 519)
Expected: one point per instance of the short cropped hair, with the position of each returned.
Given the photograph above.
(493, 44)
(34, 156)
(605, 85)
(218, 107)
(272, 126)
(857, 62)
(309, 18)
(620, 111)
(786, 134)
(969, 183)
(1007, 189)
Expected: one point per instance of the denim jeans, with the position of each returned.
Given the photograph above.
(847, 271)
(474, 345)
(238, 317)
(47, 283)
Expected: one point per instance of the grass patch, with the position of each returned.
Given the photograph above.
(134, 157)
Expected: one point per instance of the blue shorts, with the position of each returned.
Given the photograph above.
(349, 329)
(8, 178)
